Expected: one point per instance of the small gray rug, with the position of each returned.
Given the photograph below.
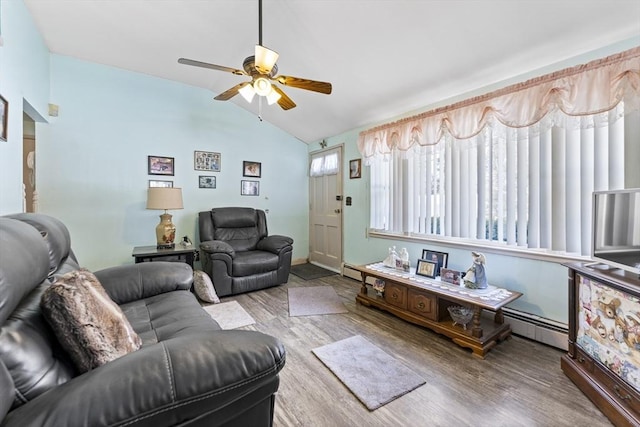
(312, 300)
(309, 271)
(229, 315)
(372, 375)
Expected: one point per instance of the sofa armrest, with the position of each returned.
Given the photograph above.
(164, 384)
(274, 243)
(217, 246)
(127, 283)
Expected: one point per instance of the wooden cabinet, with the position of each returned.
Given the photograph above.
(424, 302)
(604, 340)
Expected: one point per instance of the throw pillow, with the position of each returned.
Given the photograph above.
(88, 324)
(203, 287)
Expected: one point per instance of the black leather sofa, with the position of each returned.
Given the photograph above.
(188, 372)
(237, 252)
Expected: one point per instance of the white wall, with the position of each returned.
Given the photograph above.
(24, 83)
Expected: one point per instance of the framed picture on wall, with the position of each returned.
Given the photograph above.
(161, 165)
(206, 161)
(206, 181)
(4, 112)
(252, 169)
(250, 188)
(355, 168)
(158, 183)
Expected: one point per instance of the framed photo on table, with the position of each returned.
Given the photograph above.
(161, 165)
(426, 268)
(441, 258)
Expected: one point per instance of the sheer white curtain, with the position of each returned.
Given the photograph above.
(528, 187)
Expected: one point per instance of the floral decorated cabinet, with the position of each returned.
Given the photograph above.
(604, 339)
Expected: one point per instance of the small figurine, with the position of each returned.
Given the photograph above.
(476, 277)
(390, 260)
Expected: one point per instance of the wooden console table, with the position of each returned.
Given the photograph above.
(424, 301)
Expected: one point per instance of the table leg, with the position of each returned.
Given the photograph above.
(476, 331)
(363, 287)
(499, 317)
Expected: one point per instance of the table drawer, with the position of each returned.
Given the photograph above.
(423, 304)
(395, 294)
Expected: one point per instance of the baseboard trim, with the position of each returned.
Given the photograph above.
(299, 261)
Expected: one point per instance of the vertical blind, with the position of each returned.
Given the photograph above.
(528, 187)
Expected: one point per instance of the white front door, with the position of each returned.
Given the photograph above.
(325, 214)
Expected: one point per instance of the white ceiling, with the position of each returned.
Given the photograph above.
(384, 58)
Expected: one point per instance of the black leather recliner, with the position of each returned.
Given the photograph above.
(188, 371)
(237, 252)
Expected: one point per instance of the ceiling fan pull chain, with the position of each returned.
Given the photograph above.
(260, 108)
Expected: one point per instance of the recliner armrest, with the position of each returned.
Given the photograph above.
(164, 384)
(217, 246)
(274, 243)
(127, 283)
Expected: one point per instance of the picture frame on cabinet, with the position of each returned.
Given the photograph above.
(426, 268)
(441, 258)
(158, 165)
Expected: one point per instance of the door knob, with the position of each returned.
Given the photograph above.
(337, 211)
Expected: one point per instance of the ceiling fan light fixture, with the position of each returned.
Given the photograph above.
(273, 97)
(262, 86)
(265, 59)
(247, 93)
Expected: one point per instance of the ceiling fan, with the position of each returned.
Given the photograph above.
(262, 69)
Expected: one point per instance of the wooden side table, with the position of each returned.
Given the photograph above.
(177, 254)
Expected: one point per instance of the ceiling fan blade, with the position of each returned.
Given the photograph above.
(284, 102)
(186, 61)
(316, 86)
(230, 93)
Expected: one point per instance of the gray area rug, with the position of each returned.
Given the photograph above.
(229, 315)
(312, 300)
(309, 271)
(372, 375)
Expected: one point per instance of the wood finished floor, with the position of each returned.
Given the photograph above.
(520, 382)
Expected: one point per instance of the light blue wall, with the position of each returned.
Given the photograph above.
(24, 83)
(543, 283)
(92, 159)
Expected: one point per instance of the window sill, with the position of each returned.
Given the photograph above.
(483, 246)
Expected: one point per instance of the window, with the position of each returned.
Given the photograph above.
(529, 187)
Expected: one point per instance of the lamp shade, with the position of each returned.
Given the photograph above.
(163, 198)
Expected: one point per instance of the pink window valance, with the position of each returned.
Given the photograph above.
(586, 89)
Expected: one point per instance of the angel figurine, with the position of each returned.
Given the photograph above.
(476, 278)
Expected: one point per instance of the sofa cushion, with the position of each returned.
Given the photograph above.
(88, 324)
(254, 262)
(165, 316)
(203, 287)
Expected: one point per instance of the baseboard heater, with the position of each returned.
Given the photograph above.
(527, 325)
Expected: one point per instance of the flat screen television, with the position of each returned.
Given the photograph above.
(616, 229)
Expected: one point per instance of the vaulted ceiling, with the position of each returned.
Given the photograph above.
(385, 58)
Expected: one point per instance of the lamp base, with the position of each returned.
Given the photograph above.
(165, 232)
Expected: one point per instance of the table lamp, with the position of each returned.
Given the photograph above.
(163, 198)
